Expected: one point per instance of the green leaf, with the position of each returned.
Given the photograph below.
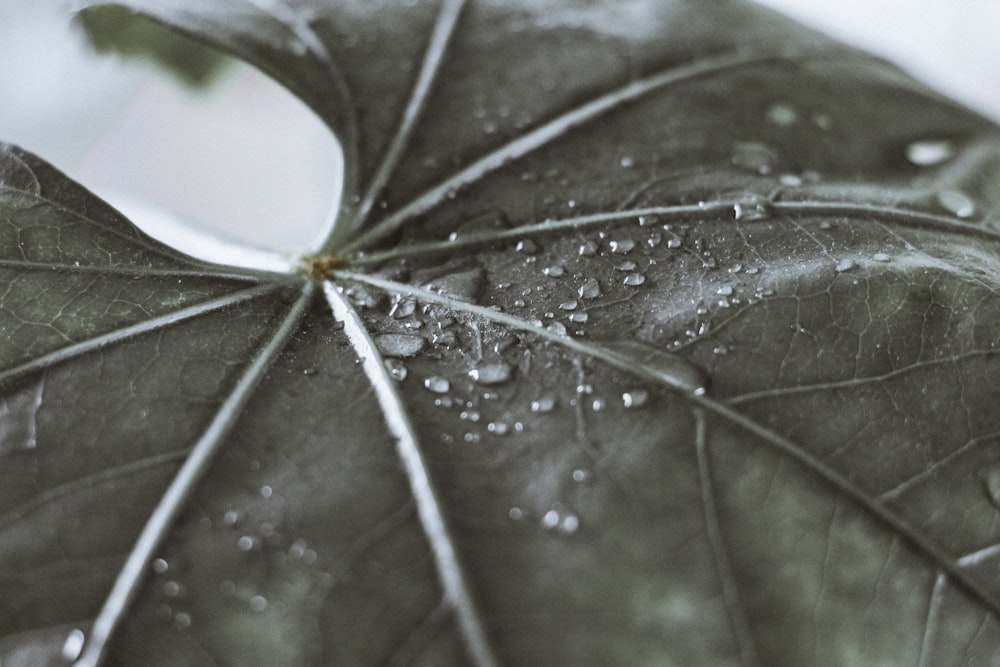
(647, 333)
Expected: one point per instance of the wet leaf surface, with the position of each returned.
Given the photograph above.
(657, 333)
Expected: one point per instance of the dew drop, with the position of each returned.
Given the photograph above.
(266, 491)
(754, 156)
(73, 645)
(527, 247)
(635, 398)
(569, 524)
(160, 566)
(673, 243)
(550, 519)
(397, 369)
(544, 404)
(930, 152)
(554, 271)
(498, 428)
(489, 374)
(622, 247)
(844, 265)
(558, 328)
(579, 317)
(258, 603)
(464, 285)
(580, 475)
(957, 203)
(991, 483)
(590, 289)
(597, 404)
(437, 384)
(752, 211)
(626, 161)
(245, 543)
(881, 257)
(725, 290)
(400, 345)
(231, 517)
(569, 305)
(588, 249)
(182, 620)
(626, 266)
(171, 589)
(781, 114)
(634, 279)
(403, 308)
(515, 514)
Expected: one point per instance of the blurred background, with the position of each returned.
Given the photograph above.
(241, 159)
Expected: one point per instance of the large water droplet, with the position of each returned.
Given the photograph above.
(635, 398)
(957, 203)
(672, 367)
(464, 285)
(403, 308)
(437, 384)
(845, 265)
(400, 345)
(752, 210)
(590, 289)
(588, 249)
(544, 404)
(497, 373)
(622, 247)
(73, 645)
(397, 369)
(634, 279)
(930, 152)
(258, 603)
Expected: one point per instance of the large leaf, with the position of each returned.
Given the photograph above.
(648, 333)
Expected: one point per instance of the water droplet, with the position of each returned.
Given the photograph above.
(464, 285)
(674, 243)
(182, 620)
(73, 645)
(991, 482)
(626, 266)
(569, 305)
(550, 519)
(930, 152)
(579, 317)
(397, 369)
(527, 247)
(491, 373)
(558, 328)
(881, 257)
(171, 589)
(672, 367)
(635, 398)
(258, 603)
(554, 271)
(227, 588)
(580, 475)
(823, 121)
(231, 517)
(498, 428)
(755, 157)
(544, 404)
(751, 211)
(791, 180)
(626, 162)
(445, 338)
(469, 415)
(569, 524)
(590, 289)
(160, 566)
(437, 384)
(245, 543)
(622, 247)
(844, 265)
(403, 308)
(634, 279)
(781, 114)
(725, 290)
(400, 345)
(957, 203)
(597, 404)
(588, 249)
(266, 491)
(515, 514)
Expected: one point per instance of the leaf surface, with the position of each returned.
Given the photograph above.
(647, 333)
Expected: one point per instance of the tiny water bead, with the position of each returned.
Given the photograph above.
(590, 289)
(635, 398)
(957, 203)
(781, 114)
(752, 211)
(634, 279)
(160, 566)
(544, 404)
(258, 603)
(755, 157)
(397, 369)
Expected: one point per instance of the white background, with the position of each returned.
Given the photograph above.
(251, 162)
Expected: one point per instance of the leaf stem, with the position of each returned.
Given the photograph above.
(137, 564)
(429, 506)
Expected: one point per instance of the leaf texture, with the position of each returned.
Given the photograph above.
(647, 333)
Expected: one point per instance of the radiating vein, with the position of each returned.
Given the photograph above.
(433, 57)
(124, 333)
(224, 273)
(933, 620)
(730, 591)
(429, 506)
(89, 482)
(909, 483)
(776, 441)
(410, 649)
(180, 489)
(784, 392)
(551, 131)
(679, 212)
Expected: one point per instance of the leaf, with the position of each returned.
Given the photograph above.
(647, 333)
